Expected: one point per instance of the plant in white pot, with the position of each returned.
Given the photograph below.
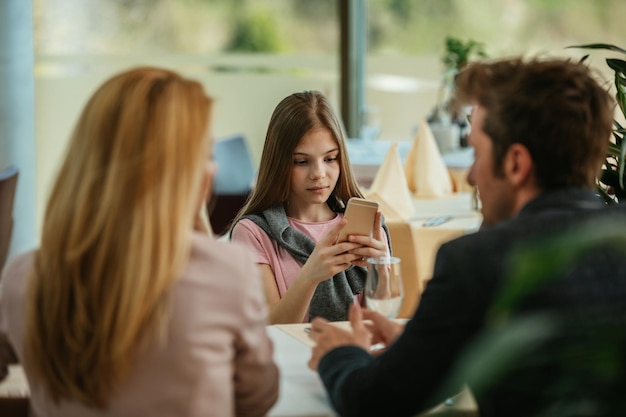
(446, 120)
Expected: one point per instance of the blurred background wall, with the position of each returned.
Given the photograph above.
(251, 53)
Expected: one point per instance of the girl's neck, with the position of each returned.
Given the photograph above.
(313, 213)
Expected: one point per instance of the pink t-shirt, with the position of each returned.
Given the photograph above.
(267, 251)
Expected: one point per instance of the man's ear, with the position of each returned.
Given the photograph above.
(518, 165)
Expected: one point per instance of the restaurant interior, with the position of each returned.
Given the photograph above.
(382, 64)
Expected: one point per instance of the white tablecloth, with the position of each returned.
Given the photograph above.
(302, 393)
(15, 385)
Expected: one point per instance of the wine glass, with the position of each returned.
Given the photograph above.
(383, 287)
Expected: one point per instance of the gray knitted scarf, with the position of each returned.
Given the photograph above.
(332, 297)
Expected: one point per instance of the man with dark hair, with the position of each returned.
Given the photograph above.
(540, 131)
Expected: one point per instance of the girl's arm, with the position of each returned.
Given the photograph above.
(293, 307)
(326, 260)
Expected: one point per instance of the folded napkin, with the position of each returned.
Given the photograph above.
(390, 189)
(426, 173)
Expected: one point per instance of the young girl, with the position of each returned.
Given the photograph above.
(294, 215)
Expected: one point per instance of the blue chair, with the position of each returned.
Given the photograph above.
(232, 183)
(235, 170)
(8, 184)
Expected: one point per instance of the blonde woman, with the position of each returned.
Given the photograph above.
(125, 309)
(293, 218)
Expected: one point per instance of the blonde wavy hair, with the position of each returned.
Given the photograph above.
(116, 232)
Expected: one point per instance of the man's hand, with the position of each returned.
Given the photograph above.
(328, 336)
(383, 330)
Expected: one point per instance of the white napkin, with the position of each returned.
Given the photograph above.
(426, 173)
(390, 189)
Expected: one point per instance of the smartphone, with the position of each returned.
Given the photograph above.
(360, 214)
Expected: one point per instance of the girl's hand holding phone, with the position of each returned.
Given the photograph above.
(329, 258)
(370, 246)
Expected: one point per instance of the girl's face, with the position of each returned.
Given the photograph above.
(315, 169)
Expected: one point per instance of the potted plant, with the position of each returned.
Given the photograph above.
(613, 176)
(446, 120)
(456, 56)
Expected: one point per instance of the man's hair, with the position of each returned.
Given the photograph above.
(553, 107)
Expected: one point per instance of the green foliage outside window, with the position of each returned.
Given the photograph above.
(457, 54)
(256, 32)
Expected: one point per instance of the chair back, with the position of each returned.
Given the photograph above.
(235, 170)
(232, 183)
(8, 184)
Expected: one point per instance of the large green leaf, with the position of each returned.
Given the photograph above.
(610, 164)
(620, 94)
(614, 150)
(606, 197)
(614, 175)
(621, 164)
(604, 46)
(617, 65)
(618, 140)
(609, 178)
(620, 193)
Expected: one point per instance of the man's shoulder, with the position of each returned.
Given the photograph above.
(616, 209)
(503, 236)
(494, 246)
(551, 222)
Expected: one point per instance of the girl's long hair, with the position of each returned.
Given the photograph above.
(294, 117)
(116, 233)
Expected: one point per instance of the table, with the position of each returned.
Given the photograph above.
(302, 393)
(463, 219)
(14, 393)
(417, 244)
